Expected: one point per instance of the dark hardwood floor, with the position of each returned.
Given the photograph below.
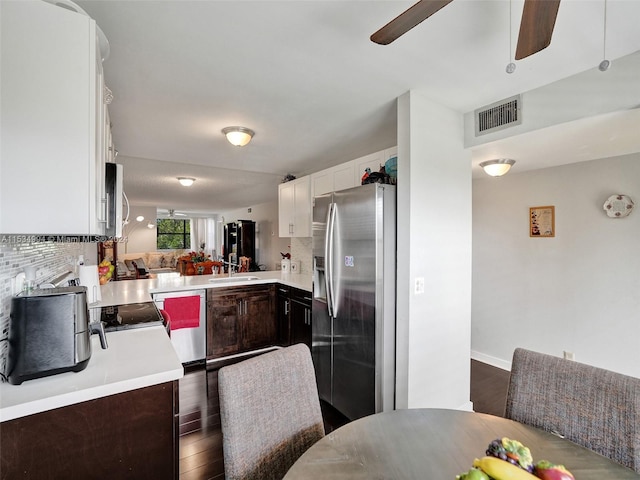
(201, 437)
(488, 388)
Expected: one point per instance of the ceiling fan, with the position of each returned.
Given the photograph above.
(536, 26)
(172, 213)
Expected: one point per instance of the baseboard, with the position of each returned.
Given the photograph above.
(493, 361)
(467, 407)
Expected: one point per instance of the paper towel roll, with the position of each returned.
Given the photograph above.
(88, 275)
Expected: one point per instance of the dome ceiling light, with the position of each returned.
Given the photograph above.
(498, 167)
(238, 136)
(186, 181)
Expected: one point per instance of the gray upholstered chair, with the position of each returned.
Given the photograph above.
(593, 407)
(270, 413)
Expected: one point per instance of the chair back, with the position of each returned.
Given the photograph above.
(270, 413)
(245, 263)
(593, 407)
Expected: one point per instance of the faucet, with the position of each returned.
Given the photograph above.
(231, 265)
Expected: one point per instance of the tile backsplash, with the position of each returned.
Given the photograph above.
(301, 249)
(50, 260)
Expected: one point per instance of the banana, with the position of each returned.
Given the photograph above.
(502, 470)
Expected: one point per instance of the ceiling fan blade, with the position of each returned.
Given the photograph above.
(536, 27)
(407, 20)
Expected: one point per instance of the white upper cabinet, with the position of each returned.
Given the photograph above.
(294, 208)
(295, 198)
(331, 179)
(373, 161)
(51, 173)
(349, 174)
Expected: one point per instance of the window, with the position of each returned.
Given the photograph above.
(173, 234)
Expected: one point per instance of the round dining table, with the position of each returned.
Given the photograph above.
(437, 444)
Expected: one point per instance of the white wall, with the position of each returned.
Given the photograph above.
(268, 243)
(434, 242)
(578, 291)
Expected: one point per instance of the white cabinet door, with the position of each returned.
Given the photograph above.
(372, 161)
(302, 221)
(343, 176)
(294, 208)
(333, 179)
(286, 210)
(390, 152)
(322, 182)
(101, 145)
(48, 129)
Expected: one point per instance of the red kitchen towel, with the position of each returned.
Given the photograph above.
(184, 311)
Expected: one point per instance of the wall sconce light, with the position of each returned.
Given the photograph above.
(186, 181)
(150, 225)
(498, 167)
(238, 136)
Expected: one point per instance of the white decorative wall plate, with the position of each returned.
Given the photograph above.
(618, 206)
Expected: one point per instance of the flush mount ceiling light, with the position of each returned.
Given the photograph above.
(186, 181)
(238, 136)
(139, 218)
(498, 167)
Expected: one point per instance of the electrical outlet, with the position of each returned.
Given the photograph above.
(568, 355)
(419, 286)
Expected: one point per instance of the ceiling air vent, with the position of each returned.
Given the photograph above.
(499, 115)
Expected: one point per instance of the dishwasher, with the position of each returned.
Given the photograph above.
(187, 322)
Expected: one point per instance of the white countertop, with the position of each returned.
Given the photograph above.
(137, 291)
(136, 358)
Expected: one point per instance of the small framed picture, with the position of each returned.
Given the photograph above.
(542, 221)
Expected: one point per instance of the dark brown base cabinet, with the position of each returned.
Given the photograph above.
(294, 316)
(283, 292)
(300, 317)
(240, 319)
(131, 435)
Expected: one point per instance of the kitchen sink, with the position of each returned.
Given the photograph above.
(247, 278)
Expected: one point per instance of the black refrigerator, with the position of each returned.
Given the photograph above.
(240, 241)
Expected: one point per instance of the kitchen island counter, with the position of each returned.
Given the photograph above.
(135, 359)
(138, 291)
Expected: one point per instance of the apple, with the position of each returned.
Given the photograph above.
(473, 474)
(103, 269)
(546, 470)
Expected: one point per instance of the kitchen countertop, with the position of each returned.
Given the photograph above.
(136, 358)
(138, 291)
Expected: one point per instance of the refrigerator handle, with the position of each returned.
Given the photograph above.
(328, 255)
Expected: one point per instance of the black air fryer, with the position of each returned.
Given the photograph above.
(48, 333)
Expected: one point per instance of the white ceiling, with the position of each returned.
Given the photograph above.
(305, 76)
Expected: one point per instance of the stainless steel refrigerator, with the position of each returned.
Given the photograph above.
(354, 292)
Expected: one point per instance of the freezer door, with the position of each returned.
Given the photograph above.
(321, 323)
(357, 215)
